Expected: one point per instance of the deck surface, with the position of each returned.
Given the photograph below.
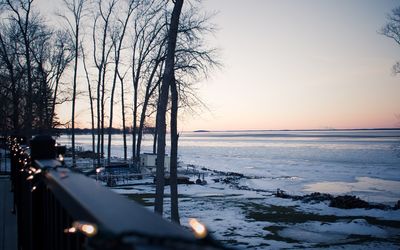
(8, 221)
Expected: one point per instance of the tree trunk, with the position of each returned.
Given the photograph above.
(91, 103)
(74, 95)
(112, 108)
(134, 125)
(53, 108)
(116, 72)
(135, 107)
(102, 69)
(103, 90)
(155, 140)
(98, 117)
(28, 112)
(173, 181)
(162, 107)
(140, 130)
(148, 93)
(15, 98)
(123, 121)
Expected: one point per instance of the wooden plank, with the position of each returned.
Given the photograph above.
(8, 221)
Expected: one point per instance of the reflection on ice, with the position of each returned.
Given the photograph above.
(316, 232)
(373, 189)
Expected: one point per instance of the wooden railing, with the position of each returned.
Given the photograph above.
(60, 208)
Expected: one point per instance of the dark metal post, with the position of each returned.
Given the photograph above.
(42, 148)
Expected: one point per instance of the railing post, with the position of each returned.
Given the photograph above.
(42, 148)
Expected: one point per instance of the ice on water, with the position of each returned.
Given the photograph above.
(365, 163)
(362, 163)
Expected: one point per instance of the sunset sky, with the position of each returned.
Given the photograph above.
(303, 64)
(300, 65)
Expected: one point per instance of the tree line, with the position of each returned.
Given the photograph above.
(139, 57)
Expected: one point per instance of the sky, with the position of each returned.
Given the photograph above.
(301, 64)
(295, 64)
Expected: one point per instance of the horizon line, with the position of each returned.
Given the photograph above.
(244, 130)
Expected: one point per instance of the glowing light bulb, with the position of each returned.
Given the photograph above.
(33, 188)
(86, 228)
(200, 231)
(70, 230)
(30, 177)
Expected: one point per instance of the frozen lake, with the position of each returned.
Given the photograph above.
(365, 163)
(362, 163)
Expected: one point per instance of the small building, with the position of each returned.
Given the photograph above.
(149, 160)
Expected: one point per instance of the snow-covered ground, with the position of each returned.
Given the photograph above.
(259, 220)
(362, 163)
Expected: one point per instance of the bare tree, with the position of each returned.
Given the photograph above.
(61, 58)
(151, 64)
(192, 62)
(31, 52)
(9, 56)
(392, 30)
(22, 16)
(168, 78)
(43, 74)
(117, 40)
(151, 87)
(90, 100)
(121, 78)
(148, 25)
(75, 8)
(101, 65)
(174, 153)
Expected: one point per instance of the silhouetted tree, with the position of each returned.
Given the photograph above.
(117, 38)
(90, 100)
(75, 8)
(10, 75)
(60, 59)
(392, 30)
(148, 26)
(33, 58)
(168, 78)
(22, 16)
(102, 22)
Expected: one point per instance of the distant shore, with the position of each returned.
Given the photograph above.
(119, 131)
